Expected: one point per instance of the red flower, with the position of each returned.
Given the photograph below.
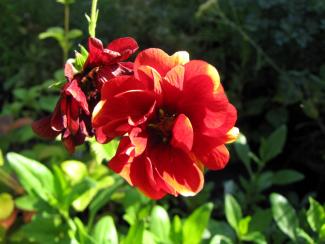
(174, 119)
(72, 115)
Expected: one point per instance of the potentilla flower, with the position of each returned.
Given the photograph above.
(174, 120)
(72, 115)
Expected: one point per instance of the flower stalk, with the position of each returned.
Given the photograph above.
(93, 18)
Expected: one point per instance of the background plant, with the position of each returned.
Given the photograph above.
(269, 55)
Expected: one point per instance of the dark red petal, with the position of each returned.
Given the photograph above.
(125, 46)
(43, 128)
(97, 55)
(69, 144)
(73, 117)
(217, 158)
(75, 91)
(182, 137)
(57, 118)
(104, 74)
(178, 170)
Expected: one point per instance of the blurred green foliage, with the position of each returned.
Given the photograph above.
(270, 56)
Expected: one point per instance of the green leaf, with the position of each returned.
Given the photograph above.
(34, 176)
(103, 197)
(243, 225)
(84, 237)
(149, 238)
(221, 239)
(53, 32)
(176, 230)
(74, 33)
(286, 176)
(221, 228)
(160, 223)
(315, 215)
(105, 231)
(261, 220)
(45, 228)
(7, 205)
(27, 203)
(304, 236)
(82, 202)
(264, 181)
(57, 84)
(75, 170)
(310, 108)
(196, 223)
(322, 233)
(135, 234)
(242, 149)
(103, 151)
(79, 189)
(233, 212)
(80, 60)
(1, 158)
(284, 215)
(255, 237)
(273, 145)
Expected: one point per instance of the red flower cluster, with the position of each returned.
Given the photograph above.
(72, 115)
(172, 115)
(174, 119)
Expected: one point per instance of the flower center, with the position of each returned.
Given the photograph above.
(160, 128)
(89, 86)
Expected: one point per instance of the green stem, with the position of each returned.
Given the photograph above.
(72, 226)
(93, 18)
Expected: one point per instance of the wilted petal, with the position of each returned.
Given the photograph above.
(43, 128)
(57, 123)
(69, 144)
